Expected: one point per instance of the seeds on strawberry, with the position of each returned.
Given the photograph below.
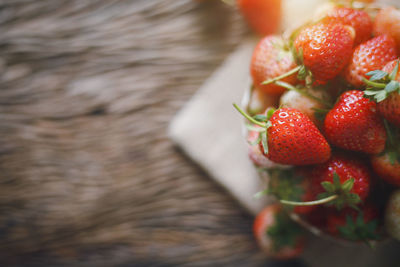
(345, 176)
(368, 56)
(325, 49)
(354, 124)
(270, 59)
(290, 137)
(293, 139)
(358, 19)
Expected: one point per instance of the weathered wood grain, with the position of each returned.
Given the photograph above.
(88, 176)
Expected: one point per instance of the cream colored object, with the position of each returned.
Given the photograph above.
(392, 215)
(210, 130)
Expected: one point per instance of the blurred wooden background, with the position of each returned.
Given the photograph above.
(88, 175)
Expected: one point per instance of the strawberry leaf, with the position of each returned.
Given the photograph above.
(270, 112)
(262, 193)
(380, 96)
(284, 232)
(285, 184)
(252, 127)
(336, 180)
(348, 185)
(260, 118)
(392, 86)
(345, 197)
(264, 142)
(302, 74)
(393, 74)
(356, 229)
(256, 142)
(377, 75)
(328, 186)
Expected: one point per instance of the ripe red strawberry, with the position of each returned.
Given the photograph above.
(354, 124)
(354, 225)
(342, 182)
(277, 234)
(346, 176)
(290, 137)
(387, 21)
(387, 169)
(358, 19)
(271, 59)
(368, 56)
(264, 16)
(324, 49)
(294, 140)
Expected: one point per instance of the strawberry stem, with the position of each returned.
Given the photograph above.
(247, 116)
(309, 203)
(374, 84)
(280, 77)
(302, 92)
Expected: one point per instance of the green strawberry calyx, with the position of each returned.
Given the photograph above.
(283, 184)
(343, 192)
(356, 229)
(284, 232)
(261, 121)
(381, 84)
(336, 194)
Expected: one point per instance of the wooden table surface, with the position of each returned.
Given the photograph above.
(88, 175)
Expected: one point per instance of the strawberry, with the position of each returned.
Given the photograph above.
(358, 19)
(384, 88)
(368, 56)
(354, 225)
(387, 21)
(264, 16)
(304, 104)
(354, 124)
(277, 234)
(324, 50)
(392, 215)
(387, 164)
(387, 169)
(341, 182)
(259, 101)
(345, 176)
(293, 139)
(271, 59)
(290, 137)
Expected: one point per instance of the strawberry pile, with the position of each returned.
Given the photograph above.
(331, 146)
